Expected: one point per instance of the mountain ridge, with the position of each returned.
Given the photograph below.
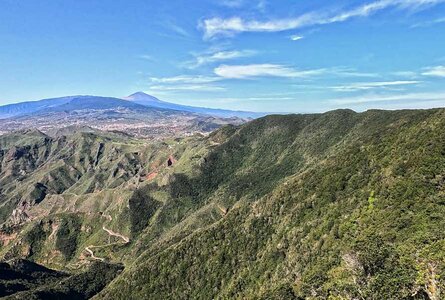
(109, 114)
(148, 100)
(339, 205)
(83, 101)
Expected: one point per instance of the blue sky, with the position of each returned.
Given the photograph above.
(258, 55)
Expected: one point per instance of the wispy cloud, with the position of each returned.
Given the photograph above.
(146, 57)
(439, 96)
(361, 86)
(218, 56)
(219, 26)
(296, 37)
(437, 71)
(185, 83)
(260, 5)
(277, 70)
(187, 87)
(185, 79)
(176, 28)
(263, 70)
(429, 23)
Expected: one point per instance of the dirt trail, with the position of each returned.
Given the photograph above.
(92, 254)
(223, 210)
(54, 228)
(110, 233)
(110, 218)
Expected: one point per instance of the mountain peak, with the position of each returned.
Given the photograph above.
(139, 96)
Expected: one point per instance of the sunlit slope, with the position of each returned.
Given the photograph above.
(341, 204)
(62, 195)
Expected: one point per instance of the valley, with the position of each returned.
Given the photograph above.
(340, 205)
(222, 149)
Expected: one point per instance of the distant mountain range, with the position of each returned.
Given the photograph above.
(148, 100)
(139, 115)
(139, 101)
(340, 205)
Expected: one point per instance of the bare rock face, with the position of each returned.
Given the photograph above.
(18, 216)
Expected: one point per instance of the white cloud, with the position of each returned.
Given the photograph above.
(263, 70)
(187, 87)
(438, 71)
(296, 37)
(212, 57)
(185, 79)
(276, 70)
(217, 26)
(185, 83)
(439, 96)
(227, 27)
(360, 86)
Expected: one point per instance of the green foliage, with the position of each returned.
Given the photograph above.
(332, 206)
(37, 282)
(371, 201)
(35, 239)
(142, 208)
(297, 225)
(67, 235)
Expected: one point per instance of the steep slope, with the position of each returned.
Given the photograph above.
(340, 205)
(68, 200)
(21, 279)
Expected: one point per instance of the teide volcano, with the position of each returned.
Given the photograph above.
(139, 115)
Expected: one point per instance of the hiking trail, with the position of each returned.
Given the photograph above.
(124, 239)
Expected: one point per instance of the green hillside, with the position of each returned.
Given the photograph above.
(338, 205)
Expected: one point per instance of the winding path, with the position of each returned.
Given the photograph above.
(110, 233)
(92, 254)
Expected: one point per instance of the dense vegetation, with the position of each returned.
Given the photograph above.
(326, 206)
(341, 205)
(25, 280)
(67, 235)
